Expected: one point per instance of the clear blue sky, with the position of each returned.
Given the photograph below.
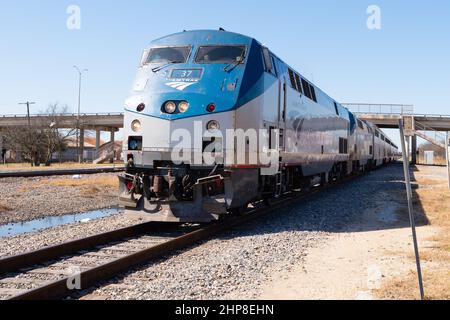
(407, 61)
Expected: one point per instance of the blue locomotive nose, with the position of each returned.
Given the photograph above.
(183, 74)
(184, 91)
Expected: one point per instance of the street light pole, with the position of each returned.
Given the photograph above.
(79, 146)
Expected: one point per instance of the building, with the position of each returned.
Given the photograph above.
(106, 151)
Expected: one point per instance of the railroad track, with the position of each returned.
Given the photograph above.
(58, 172)
(65, 270)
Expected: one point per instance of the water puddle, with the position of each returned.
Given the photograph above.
(15, 229)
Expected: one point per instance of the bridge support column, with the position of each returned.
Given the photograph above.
(407, 144)
(81, 149)
(447, 157)
(2, 149)
(112, 139)
(414, 150)
(97, 142)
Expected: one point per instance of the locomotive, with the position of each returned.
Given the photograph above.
(216, 121)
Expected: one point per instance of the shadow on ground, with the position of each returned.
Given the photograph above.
(375, 201)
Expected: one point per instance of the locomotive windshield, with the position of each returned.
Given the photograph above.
(220, 54)
(168, 55)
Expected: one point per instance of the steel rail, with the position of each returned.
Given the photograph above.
(60, 289)
(58, 172)
(15, 263)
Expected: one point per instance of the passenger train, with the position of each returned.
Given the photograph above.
(195, 87)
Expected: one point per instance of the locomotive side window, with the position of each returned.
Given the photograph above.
(267, 60)
(168, 55)
(360, 125)
(299, 84)
(274, 64)
(306, 88)
(343, 145)
(220, 54)
(336, 108)
(313, 93)
(292, 77)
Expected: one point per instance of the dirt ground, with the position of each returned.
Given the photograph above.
(378, 263)
(25, 199)
(56, 166)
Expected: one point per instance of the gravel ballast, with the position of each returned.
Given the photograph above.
(237, 264)
(25, 199)
(10, 246)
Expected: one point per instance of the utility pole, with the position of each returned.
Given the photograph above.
(80, 147)
(28, 103)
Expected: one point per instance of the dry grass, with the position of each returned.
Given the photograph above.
(435, 282)
(432, 183)
(439, 161)
(4, 208)
(98, 182)
(433, 203)
(91, 192)
(66, 165)
(22, 190)
(89, 186)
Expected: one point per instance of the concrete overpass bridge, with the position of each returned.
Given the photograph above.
(98, 122)
(88, 121)
(432, 128)
(386, 116)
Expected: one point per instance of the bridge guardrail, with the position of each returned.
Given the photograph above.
(63, 115)
(402, 109)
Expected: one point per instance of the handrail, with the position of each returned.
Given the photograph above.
(63, 115)
(402, 109)
(438, 136)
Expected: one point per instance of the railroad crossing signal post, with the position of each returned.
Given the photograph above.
(410, 205)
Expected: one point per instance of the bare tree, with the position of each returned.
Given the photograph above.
(54, 138)
(38, 142)
(25, 141)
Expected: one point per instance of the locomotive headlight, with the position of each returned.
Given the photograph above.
(170, 107)
(213, 125)
(136, 125)
(183, 106)
(133, 145)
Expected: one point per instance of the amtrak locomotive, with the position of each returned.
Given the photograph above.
(193, 123)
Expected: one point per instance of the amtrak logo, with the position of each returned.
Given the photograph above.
(180, 85)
